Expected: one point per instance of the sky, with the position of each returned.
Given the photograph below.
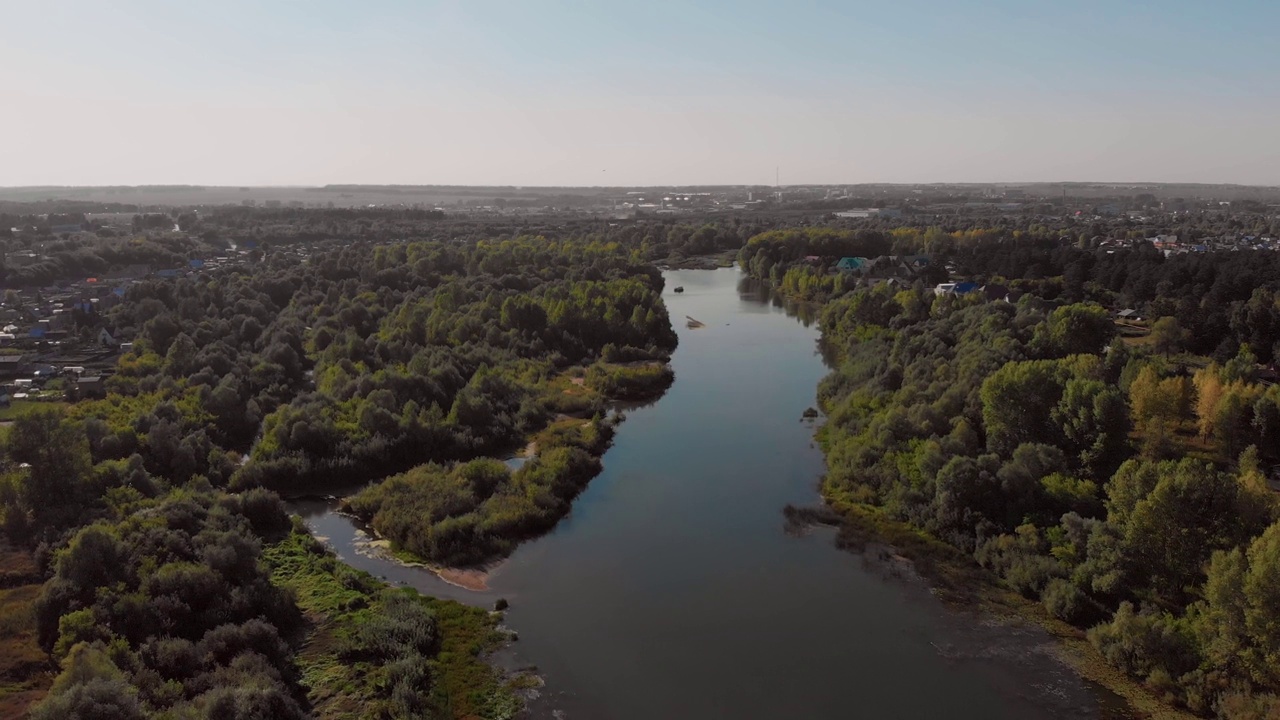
(559, 92)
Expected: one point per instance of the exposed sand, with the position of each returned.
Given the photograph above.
(474, 579)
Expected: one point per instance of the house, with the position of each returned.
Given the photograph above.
(994, 292)
(196, 264)
(90, 386)
(1129, 314)
(105, 339)
(852, 264)
(955, 288)
(11, 366)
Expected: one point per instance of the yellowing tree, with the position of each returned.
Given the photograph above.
(1208, 395)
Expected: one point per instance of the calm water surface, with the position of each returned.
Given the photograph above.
(673, 591)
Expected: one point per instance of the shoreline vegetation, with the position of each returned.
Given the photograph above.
(1038, 461)
(1024, 430)
(344, 662)
(152, 517)
(961, 583)
(458, 521)
(370, 544)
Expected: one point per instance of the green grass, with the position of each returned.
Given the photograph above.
(18, 408)
(336, 599)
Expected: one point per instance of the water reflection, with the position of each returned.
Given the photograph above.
(673, 590)
(761, 294)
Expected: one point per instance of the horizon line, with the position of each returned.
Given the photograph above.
(1067, 183)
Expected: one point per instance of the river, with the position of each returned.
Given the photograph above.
(673, 589)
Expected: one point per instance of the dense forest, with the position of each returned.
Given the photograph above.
(175, 585)
(1121, 481)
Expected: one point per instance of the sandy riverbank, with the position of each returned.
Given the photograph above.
(474, 579)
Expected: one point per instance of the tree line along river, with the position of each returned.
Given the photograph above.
(673, 589)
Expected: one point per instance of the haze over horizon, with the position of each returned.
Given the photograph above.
(566, 94)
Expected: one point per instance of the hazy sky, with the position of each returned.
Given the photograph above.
(546, 92)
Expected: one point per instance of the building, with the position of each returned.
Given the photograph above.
(955, 288)
(90, 386)
(852, 264)
(857, 213)
(11, 366)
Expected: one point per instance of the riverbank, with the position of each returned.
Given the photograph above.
(958, 580)
(344, 678)
(700, 262)
(371, 545)
(671, 590)
(459, 520)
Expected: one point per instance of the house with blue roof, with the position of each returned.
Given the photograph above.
(956, 288)
(852, 264)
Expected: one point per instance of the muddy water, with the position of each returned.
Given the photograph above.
(674, 591)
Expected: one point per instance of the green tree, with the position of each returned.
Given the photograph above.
(56, 454)
(1168, 336)
(1073, 330)
(1094, 419)
(1017, 401)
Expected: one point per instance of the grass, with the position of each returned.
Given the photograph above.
(25, 670)
(959, 580)
(18, 408)
(336, 599)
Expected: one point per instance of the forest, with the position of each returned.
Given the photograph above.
(1120, 480)
(171, 582)
(150, 569)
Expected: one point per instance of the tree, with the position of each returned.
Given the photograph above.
(1017, 401)
(56, 453)
(1168, 336)
(1095, 423)
(1262, 600)
(1073, 330)
(1158, 407)
(1203, 505)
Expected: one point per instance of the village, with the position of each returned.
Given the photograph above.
(57, 342)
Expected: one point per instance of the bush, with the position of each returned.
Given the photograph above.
(1065, 601)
